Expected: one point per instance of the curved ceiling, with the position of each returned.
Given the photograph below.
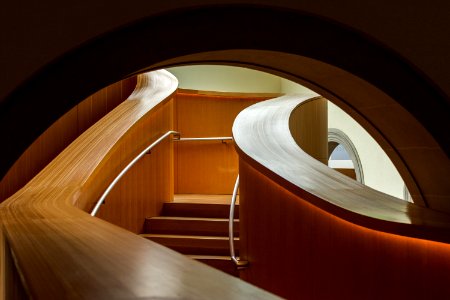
(402, 109)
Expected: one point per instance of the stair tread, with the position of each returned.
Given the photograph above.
(203, 198)
(189, 219)
(209, 257)
(199, 204)
(197, 229)
(180, 236)
(194, 245)
(198, 226)
(201, 210)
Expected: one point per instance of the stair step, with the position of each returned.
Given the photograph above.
(189, 226)
(194, 244)
(222, 263)
(198, 210)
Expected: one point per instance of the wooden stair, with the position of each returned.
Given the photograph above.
(199, 210)
(190, 226)
(198, 230)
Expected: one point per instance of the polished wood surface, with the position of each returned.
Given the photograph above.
(194, 233)
(203, 198)
(263, 138)
(194, 244)
(149, 183)
(300, 251)
(61, 252)
(189, 226)
(199, 209)
(58, 136)
(207, 167)
(310, 232)
(309, 128)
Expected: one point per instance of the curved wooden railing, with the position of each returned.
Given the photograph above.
(308, 230)
(51, 248)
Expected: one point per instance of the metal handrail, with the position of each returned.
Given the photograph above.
(146, 150)
(203, 139)
(237, 262)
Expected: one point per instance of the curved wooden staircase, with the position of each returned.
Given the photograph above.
(51, 248)
(306, 230)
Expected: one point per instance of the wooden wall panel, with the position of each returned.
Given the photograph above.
(299, 251)
(310, 232)
(58, 136)
(149, 183)
(347, 172)
(308, 124)
(207, 167)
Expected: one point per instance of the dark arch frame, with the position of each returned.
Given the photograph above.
(51, 92)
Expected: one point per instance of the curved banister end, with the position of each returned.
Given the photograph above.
(263, 139)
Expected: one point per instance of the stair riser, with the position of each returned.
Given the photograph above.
(206, 230)
(196, 247)
(189, 227)
(195, 210)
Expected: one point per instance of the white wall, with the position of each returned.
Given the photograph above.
(379, 172)
(290, 87)
(225, 79)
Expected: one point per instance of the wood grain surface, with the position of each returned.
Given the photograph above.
(308, 124)
(58, 136)
(207, 167)
(300, 251)
(310, 232)
(416, 154)
(61, 252)
(149, 183)
(263, 138)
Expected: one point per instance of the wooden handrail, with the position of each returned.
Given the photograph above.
(59, 251)
(263, 139)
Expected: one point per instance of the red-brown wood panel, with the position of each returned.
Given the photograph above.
(207, 167)
(149, 183)
(299, 251)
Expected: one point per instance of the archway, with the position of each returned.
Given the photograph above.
(375, 86)
(335, 138)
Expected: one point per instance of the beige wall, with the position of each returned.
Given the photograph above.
(225, 79)
(290, 87)
(379, 172)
